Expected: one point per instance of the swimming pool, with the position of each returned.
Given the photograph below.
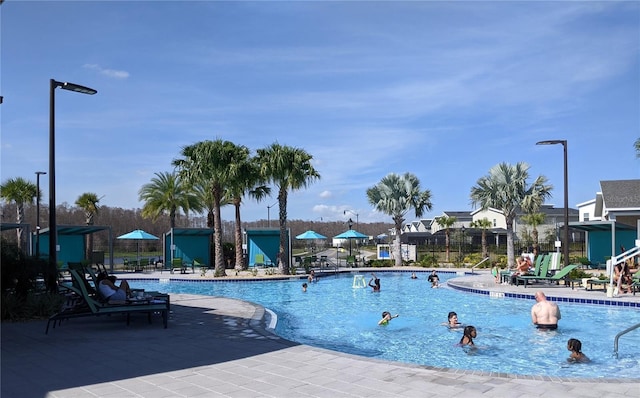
(333, 315)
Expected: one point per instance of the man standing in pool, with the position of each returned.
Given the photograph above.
(545, 314)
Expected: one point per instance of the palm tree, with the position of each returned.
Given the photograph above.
(288, 168)
(534, 219)
(446, 222)
(20, 191)
(248, 182)
(505, 188)
(88, 202)
(210, 164)
(168, 194)
(395, 195)
(483, 224)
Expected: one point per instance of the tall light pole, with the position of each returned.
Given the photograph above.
(350, 225)
(565, 246)
(53, 233)
(355, 214)
(38, 174)
(269, 215)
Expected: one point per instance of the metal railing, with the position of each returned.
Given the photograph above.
(615, 341)
(485, 259)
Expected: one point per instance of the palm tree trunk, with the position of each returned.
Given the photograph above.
(485, 252)
(217, 236)
(283, 252)
(534, 235)
(20, 218)
(511, 259)
(446, 244)
(397, 253)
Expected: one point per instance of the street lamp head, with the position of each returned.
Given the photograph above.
(40, 173)
(552, 142)
(350, 223)
(74, 87)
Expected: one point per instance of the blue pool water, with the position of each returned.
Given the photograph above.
(333, 315)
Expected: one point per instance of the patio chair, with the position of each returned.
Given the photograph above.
(558, 276)
(259, 260)
(542, 271)
(177, 263)
(143, 264)
(352, 261)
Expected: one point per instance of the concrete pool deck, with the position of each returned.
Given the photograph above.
(219, 347)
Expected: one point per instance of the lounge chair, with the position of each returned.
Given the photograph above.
(541, 271)
(352, 261)
(96, 308)
(558, 276)
(259, 260)
(177, 263)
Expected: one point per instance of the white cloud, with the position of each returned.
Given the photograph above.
(117, 74)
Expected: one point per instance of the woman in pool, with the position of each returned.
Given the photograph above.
(452, 321)
(575, 346)
(386, 317)
(468, 336)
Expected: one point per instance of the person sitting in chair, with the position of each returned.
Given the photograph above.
(108, 289)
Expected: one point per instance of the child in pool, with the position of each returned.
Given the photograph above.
(468, 336)
(575, 346)
(386, 317)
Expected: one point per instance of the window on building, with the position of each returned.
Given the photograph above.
(585, 217)
(494, 223)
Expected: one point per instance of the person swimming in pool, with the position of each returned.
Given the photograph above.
(452, 321)
(386, 317)
(304, 287)
(470, 333)
(545, 314)
(413, 275)
(575, 346)
(374, 282)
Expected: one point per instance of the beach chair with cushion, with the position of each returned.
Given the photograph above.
(259, 260)
(143, 264)
(542, 272)
(558, 276)
(177, 263)
(96, 308)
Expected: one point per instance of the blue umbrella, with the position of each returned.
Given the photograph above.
(351, 234)
(311, 235)
(138, 235)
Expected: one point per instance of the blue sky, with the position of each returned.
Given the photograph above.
(444, 90)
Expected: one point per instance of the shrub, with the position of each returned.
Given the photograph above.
(33, 306)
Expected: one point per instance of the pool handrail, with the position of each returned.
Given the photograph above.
(615, 341)
(483, 260)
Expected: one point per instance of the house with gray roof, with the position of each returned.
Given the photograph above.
(611, 220)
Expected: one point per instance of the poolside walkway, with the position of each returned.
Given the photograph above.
(219, 347)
